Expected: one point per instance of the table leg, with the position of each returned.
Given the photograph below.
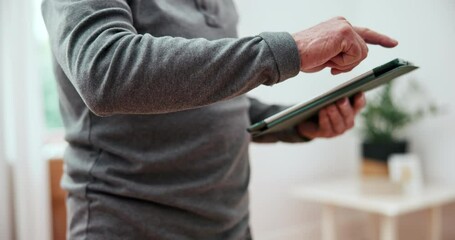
(328, 223)
(388, 228)
(373, 226)
(436, 223)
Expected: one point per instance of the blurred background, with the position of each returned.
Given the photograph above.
(31, 134)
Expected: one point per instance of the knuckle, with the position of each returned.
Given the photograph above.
(324, 133)
(363, 30)
(340, 131)
(345, 30)
(309, 134)
(340, 18)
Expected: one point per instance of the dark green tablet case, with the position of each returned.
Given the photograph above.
(300, 112)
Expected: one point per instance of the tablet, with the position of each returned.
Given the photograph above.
(303, 111)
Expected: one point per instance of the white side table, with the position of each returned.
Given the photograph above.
(349, 193)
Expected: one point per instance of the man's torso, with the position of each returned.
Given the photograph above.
(188, 170)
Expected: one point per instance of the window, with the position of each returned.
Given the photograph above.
(53, 121)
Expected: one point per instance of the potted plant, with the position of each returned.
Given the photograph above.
(384, 119)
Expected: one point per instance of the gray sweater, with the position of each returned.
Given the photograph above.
(152, 98)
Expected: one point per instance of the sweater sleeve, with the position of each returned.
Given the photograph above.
(115, 70)
(259, 111)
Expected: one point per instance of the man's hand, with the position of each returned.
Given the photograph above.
(333, 120)
(336, 44)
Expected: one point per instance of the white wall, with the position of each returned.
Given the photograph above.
(426, 31)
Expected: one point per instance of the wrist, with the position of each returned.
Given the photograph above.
(285, 53)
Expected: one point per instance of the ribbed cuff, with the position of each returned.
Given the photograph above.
(285, 52)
